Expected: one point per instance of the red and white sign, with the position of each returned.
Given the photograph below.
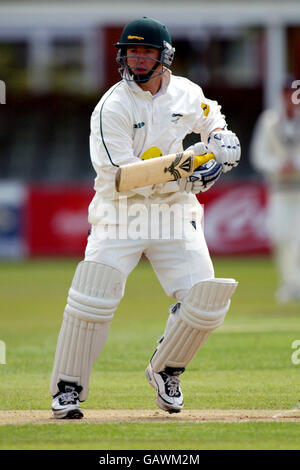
(57, 220)
(234, 219)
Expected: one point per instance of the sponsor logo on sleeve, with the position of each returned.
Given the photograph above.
(205, 108)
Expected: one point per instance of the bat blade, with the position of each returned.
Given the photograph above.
(158, 170)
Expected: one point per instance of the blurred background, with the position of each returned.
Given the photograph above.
(56, 61)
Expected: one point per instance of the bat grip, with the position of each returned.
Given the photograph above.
(201, 159)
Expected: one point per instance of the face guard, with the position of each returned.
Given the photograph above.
(166, 58)
(144, 32)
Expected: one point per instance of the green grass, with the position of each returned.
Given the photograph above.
(136, 436)
(246, 363)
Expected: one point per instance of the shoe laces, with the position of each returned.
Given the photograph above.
(68, 397)
(172, 382)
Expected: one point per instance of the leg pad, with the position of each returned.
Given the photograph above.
(94, 295)
(202, 311)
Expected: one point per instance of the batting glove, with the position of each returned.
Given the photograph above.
(202, 179)
(199, 148)
(226, 147)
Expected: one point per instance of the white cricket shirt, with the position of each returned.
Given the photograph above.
(130, 124)
(275, 143)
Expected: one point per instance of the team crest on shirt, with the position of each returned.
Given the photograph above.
(176, 117)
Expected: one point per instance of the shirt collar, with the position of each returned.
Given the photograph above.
(166, 77)
(164, 83)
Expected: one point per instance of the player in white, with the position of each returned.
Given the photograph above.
(147, 114)
(275, 152)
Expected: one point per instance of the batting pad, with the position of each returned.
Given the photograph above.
(94, 295)
(202, 311)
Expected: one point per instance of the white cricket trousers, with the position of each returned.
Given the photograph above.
(177, 263)
(284, 231)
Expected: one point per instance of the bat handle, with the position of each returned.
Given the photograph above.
(201, 159)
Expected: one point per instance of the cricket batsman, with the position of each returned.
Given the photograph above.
(146, 115)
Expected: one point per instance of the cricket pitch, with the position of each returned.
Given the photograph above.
(21, 417)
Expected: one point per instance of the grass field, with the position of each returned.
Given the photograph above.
(245, 365)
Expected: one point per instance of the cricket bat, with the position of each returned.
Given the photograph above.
(159, 170)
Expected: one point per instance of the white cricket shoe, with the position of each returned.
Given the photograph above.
(169, 397)
(65, 404)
